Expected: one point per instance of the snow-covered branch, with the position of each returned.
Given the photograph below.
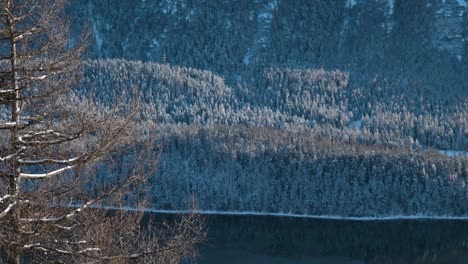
(8, 209)
(43, 143)
(45, 248)
(54, 161)
(68, 228)
(87, 250)
(81, 242)
(59, 218)
(81, 207)
(46, 175)
(5, 197)
(10, 156)
(38, 78)
(46, 132)
(7, 157)
(7, 125)
(21, 125)
(43, 137)
(21, 36)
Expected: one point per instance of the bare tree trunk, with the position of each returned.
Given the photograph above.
(48, 189)
(14, 259)
(15, 120)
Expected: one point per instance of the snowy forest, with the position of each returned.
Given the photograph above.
(124, 123)
(295, 141)
(350, 108)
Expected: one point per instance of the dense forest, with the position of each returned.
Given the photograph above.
(136, 113)
(332, 105)
(295, 141)
(344, 107)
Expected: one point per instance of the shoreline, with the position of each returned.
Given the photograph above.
(290, 215)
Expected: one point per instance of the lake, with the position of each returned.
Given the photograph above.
(285, 240)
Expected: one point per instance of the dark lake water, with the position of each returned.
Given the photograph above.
(283, 240)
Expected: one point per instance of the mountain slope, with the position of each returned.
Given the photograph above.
(421, 43)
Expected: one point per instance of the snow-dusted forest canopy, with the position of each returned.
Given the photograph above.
(331, 105)
(354, 108)
(299, 141)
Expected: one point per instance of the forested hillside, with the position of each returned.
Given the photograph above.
(332, 104)
(300, 141)
(418, 44)
(343, 107)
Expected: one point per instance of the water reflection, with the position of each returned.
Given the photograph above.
(262, 239)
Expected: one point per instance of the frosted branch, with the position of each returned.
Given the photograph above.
(56, 219)
(56, 161)
(38, 78)
(46, 175)
(41, 247)
(7, 210)
(28, 139)
(10, 156)
(40, 133)
(6, 197)
(7, 125)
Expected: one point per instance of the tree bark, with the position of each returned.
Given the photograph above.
(15, 119)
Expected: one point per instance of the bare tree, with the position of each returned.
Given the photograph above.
(54, 147)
